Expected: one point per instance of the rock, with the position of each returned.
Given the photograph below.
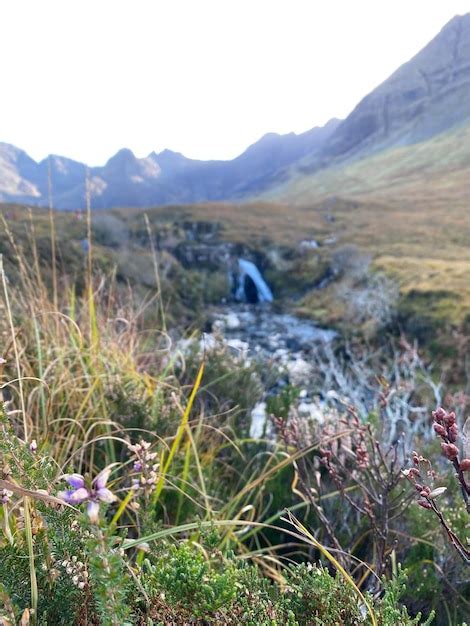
(219, 325)
(310, 410)
(239, 347)
(299, 371)
(258, 420)
(232, 321)
(308, 244)
(208, 342)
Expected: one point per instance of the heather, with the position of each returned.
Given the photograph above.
(136, 490)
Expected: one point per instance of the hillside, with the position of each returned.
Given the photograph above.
(426, 97)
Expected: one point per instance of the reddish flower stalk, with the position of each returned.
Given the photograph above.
(445, 427)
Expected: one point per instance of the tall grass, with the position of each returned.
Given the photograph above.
(90, 378)
(87, 378)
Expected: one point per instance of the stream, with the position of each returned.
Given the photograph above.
(254, 331)
(284, 342)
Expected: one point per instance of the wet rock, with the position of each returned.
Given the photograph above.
(259, 417)
(299, 371)
(232, 321)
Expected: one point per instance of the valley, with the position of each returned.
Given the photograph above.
(237, 392)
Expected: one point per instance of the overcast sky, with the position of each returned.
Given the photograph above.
(84, 78)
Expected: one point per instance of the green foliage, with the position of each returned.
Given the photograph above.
(109, 578)
(315, 597)
(280, 404)
(185, 581)
(184, 578)
(391, 612)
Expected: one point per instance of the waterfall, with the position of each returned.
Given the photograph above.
(250, 285)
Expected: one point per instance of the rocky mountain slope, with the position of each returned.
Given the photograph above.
(423, 99)
(158, 179)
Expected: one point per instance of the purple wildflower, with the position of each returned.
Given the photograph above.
(144, 464)
(6, 495)
(94, 494)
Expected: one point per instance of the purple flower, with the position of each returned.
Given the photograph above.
(94, 494)
(6, 495)
(75, 480)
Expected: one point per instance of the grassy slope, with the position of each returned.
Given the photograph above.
(408, 207)
(411, 210)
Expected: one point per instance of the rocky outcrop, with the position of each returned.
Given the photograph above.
(424, 97)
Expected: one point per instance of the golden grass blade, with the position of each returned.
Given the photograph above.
(179, 434)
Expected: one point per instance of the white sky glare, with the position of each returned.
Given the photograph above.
(84, 78)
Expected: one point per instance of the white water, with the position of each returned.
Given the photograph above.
(247, 268)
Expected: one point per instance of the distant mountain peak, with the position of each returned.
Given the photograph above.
(426, 96)
(122, 156)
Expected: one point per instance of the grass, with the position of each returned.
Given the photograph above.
(406, 207)
(91, 369)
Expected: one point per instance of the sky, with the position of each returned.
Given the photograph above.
(84, 78)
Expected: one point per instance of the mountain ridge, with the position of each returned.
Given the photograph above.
(425, 97)
(158, 178)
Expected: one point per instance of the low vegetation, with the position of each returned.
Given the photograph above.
(132, 492)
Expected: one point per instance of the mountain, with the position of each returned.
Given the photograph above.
(425, 98)
(163, 178)
(411, 130)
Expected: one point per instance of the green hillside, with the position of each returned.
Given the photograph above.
(397, 175)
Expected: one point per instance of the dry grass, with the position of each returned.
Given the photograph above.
(408, 208)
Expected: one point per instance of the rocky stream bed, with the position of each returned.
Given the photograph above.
(281, 342)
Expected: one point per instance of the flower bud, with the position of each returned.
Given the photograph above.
(450, 450)
(440, 430)
(439, 414)
(453, 433)
(5, 496)
(449, 419)
(425, 504)
(465, 465)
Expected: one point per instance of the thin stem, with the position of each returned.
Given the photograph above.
(53, 234)
(32, 569)
(15, 348)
